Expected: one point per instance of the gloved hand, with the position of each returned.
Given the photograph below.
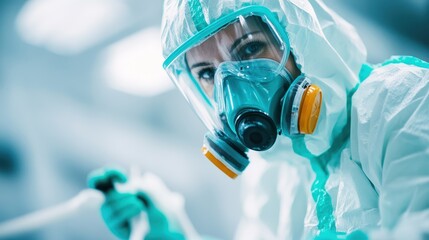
(119, 208)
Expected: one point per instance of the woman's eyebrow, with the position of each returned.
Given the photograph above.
(200, 64)
(239, 40)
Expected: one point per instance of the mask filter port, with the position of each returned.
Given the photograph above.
(256, 130)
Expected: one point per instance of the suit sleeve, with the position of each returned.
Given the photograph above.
(394, 130)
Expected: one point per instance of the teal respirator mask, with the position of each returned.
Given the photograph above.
(235, 77)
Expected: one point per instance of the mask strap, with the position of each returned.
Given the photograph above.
(197, 14)
(321, 197)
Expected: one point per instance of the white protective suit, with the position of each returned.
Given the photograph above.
(366, 167)
(381, 182)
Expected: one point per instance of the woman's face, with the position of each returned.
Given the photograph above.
(237, 42)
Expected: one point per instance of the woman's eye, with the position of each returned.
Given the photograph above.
(250, 49)
(206, 75)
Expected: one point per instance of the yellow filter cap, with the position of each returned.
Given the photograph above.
(310, 109)
(219, 164)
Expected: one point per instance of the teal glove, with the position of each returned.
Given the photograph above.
(119, 208)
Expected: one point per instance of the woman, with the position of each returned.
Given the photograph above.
(337, 148)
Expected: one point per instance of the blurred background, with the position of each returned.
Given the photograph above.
(81, 87)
